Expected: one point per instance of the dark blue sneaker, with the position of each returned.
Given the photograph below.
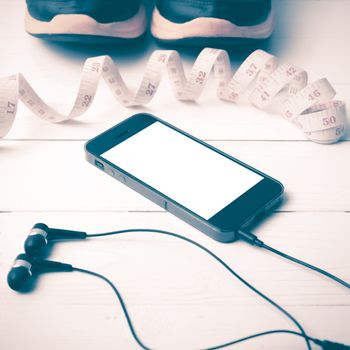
(85, 20)
(193, 20)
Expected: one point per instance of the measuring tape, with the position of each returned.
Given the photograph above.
(309, 106)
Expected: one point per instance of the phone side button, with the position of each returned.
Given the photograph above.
(110, 171)
(122, 179)
(165, 205)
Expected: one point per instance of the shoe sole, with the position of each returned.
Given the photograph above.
(202, 30)
(88, 39)
(78, 27)
(217, 42)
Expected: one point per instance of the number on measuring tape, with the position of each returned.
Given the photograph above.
(309, 106)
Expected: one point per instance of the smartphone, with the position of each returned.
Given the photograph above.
(205, 187)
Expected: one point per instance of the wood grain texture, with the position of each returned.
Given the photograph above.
(178, 297)
(57, 177)
(173, 290)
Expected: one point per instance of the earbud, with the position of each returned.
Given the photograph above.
(20, 272)
(41, 234)
(24, 267)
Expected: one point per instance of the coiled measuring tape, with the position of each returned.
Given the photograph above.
(309, 106)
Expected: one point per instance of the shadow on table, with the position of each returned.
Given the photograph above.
(278, 208)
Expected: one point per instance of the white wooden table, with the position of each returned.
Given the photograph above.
(178, 297)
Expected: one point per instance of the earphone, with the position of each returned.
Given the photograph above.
(30, 264)
(25, 267)
(41, 234)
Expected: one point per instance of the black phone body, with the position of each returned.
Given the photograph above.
(189, 178)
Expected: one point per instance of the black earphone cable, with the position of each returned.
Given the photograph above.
(305, 264)
(276, 331)
(253, 240)
(137, 339)
(121, 301)
(235, 274)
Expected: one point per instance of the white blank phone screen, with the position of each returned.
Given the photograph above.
(193, 175)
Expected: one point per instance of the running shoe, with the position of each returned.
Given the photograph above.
(198, 21)
(85, 20)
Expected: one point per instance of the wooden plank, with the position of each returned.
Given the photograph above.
(187, 302)
(48, 176)
(175, 292)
